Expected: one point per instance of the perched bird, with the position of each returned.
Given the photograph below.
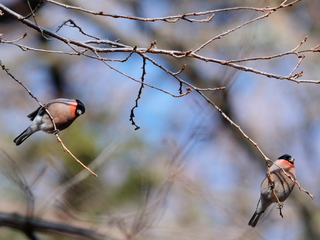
(282, 186)
(63, 111)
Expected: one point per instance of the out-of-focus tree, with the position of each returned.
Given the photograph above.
(211, 88)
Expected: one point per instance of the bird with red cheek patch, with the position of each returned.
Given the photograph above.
(63, 111)
(282, 186)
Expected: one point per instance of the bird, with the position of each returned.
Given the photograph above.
(63, 111)
(282, 186)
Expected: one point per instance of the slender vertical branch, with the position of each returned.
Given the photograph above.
(132, 115)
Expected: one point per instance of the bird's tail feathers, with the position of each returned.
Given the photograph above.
(255, 218)
(23, 136)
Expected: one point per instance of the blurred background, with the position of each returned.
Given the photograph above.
(186, 173)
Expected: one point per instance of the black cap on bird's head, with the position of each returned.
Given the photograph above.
(287, 157)
(80, 108)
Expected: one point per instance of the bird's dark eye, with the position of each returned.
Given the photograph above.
(79, 112)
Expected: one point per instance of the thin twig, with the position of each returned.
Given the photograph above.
(293, 51)
(138, 81)
(174, 19)
(229, 31)
(18, 81)
(132, 115)
(74, 157)
(34, 17)
(73, 24)
(76, 179)
(33, 11)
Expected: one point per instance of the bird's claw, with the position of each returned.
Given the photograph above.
(56, 131)
(280, 206)
(272, 185)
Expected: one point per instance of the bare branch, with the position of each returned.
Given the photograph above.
(33, 224)
(139, 95)
(35, 9)
(291, 52)
(136, 80)
(70, 153)
(19, 82)
(82, 175)
(174, 19)
(118, 47)
(73, 24)
(230, 31)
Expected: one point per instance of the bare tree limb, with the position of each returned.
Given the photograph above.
(118, 47)
(174, 19)
(33, 224)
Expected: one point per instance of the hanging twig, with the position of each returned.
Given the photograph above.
(139, 94)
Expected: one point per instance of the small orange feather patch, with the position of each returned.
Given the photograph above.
(285, 162)
(73, 107)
